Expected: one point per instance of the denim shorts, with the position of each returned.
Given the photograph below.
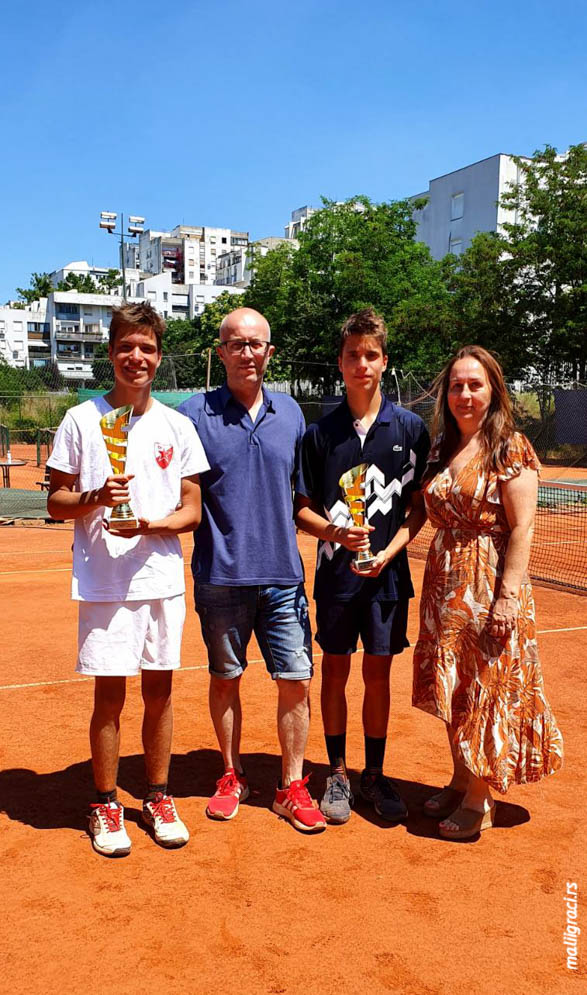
(277, 615)
(381, 625)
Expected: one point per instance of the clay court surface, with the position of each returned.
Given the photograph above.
(253, 906)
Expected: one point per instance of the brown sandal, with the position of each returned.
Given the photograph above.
(469, 822)
(448, 799)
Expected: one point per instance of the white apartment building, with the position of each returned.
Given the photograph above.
(21, 326)
(462, 203)
(189, 253)
(80, 268)
(67, 327)
(298, 221)
(235, 268)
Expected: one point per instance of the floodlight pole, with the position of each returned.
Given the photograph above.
(122, 260)
(110, 225)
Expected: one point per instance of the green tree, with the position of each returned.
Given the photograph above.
(485, 303)
(102, 375)
(82, 283)
(108, 281)
(353, 255)
(546, 242)
(40, 286)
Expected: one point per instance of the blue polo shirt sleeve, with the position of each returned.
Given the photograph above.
(192, 408)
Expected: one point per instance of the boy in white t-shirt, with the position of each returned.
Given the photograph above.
(130, 585)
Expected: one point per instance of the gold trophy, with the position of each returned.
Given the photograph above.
(353, 487)
(114, 427)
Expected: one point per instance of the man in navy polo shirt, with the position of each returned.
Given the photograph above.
(365, 428)
(246, 565)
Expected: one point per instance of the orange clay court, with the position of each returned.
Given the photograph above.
(252, 906)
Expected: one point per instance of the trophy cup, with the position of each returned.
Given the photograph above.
(114, 427)
(353, 487)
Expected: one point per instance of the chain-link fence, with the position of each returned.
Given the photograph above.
(552, 416)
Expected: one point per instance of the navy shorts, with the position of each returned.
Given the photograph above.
(381, 625)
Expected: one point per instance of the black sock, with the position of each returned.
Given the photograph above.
(155, 789)
(104, 797)
(336, 747)
(374, 754)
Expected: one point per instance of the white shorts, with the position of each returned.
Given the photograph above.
(121, 638)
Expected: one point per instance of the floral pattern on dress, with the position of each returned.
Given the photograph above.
(488, 688)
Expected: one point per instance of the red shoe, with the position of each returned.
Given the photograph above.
(231, 789)
(296, 804)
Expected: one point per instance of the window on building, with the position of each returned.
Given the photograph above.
(190, 274)
(152, 294)
(456, 246)
(17, 326)
(165, 295)
(457, 206)
(14, 354)
(224, 241)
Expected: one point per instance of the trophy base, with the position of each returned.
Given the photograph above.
(361, 565)
(123, 519)
(125, 525)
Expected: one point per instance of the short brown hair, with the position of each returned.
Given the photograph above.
(365, 322)
(136, 314)
(498, 426)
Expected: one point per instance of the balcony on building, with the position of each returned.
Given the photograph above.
(67, 311)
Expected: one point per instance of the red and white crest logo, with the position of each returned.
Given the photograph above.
(163, 455)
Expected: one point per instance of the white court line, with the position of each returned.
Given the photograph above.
(48, 570)
(562, 542)
(183, 670)
(84, 680)
(31, 552)
(574, 628)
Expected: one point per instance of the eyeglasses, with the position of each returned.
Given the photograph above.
(235, 347)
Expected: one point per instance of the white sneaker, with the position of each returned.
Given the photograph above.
(161, 816)
(106, 828)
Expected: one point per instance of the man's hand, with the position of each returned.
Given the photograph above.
(503, 616)
(115, 490)
(380, 562)
(356, 538)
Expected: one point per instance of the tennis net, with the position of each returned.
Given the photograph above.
(559, 546)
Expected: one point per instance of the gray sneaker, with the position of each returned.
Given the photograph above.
(338, 799)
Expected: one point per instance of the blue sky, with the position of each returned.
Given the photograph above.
(234, 113)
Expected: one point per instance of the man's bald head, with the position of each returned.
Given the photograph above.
(245, 319)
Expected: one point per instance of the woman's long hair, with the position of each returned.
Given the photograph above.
(498, 425)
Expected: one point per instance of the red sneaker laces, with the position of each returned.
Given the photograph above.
(299, 794)
(162, 806)
(111, 814)
(227, 784)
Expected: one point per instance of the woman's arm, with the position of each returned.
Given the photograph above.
(519, 496)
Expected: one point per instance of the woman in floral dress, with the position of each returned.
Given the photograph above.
(476, 661)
